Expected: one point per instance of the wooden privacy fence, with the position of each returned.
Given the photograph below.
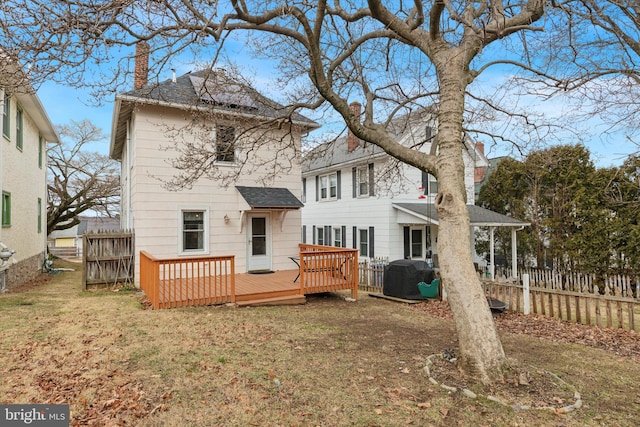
(327, 269)
(108, 258)
(540, 297)
(177, 282)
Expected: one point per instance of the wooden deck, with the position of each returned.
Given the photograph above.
(180, 282)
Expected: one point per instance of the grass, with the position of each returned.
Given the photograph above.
(327, 363)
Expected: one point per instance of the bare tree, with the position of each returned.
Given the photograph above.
(393, 59)
(79, 180)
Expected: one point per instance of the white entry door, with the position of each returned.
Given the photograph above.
(258, 242)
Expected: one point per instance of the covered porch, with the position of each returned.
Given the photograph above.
(426, 213)
(178, 282)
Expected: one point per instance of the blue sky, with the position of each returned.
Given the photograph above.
(64, 104)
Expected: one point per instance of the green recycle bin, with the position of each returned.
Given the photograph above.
(429, 290)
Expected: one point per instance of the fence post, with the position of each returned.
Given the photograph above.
(525, 294)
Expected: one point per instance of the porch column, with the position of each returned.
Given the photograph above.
(492, 258)
(514, 253)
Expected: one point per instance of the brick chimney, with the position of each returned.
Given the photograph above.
(352, 140)
(141, 70)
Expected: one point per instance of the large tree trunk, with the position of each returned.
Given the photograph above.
(480, 349)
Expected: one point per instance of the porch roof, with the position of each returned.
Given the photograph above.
(478, 216)
(269, 198)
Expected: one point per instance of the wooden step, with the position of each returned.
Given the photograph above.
(283, 300)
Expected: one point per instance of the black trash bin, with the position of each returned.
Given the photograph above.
(401, 278)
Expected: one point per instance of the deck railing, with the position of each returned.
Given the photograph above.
(174, 282)
(328, 268)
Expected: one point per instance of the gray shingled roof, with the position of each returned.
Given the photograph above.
(478, 216)
(269, 198)
(334, 153)
(212, 90)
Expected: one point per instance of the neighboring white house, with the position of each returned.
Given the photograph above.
(357, 196)
(26, 130)
(253, 212)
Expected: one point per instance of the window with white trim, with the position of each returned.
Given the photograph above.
(6, 111)
(320, 235)
(363, 240)
(416, 243)
(19, 128)
(362, 175)
(337, 237)
(194, 233)
(329, 186)
(225, 144)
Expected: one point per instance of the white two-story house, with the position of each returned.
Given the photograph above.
(357, 196)
(26, 130)
(246, 204)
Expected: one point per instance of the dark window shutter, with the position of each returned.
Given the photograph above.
(327, 236)
(339, 184)
(407, 242)
(371, 243)
(317, 188)
(354, 182)
(355, 237)
(304, 234)
(304, 190)
(425, 182)
(371, 180)
(344, 236)
(313, 239)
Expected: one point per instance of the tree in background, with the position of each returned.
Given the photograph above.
(394, 58)
(582, 218)
(80, 181)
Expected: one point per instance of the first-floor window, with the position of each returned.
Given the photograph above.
(416, 243)
(6, 209)
(320, 235)
(337, 237)
(39, 215)
(193, 230)
(364, 241)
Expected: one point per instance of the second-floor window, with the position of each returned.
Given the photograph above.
(225, 144)
(429, 184)
(6, 108)
(329, 186)
(19, 128)
(363, 181)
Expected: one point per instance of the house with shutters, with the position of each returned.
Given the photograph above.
(357, 196)
(26, 131)
(246, 204)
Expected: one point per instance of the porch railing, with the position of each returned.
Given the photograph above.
(328, 268)
(175, 282)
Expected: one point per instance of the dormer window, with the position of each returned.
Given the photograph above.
(225, 144)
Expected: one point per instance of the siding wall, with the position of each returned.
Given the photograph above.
(375, 211)
(155, 212)
(26, 181)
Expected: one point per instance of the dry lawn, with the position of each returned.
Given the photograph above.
(326, 363)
